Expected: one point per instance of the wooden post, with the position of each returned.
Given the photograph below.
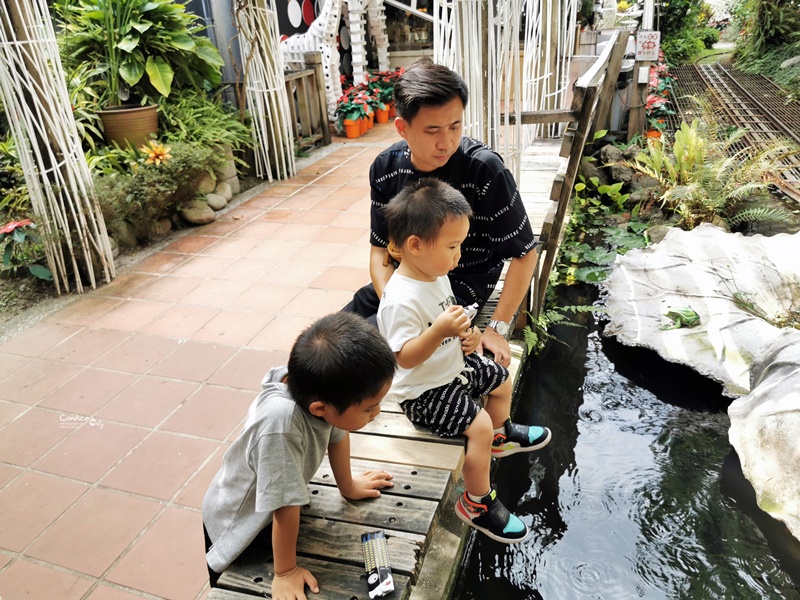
(314, 60)
(636, 114)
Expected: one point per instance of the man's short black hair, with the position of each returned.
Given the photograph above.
(425, 83)
(422, 208)
(340, 360)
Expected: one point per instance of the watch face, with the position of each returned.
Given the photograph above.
(500, 327)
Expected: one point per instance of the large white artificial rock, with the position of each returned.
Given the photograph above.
(703, 269)
(765, 430)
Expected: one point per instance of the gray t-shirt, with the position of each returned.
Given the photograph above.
(267, 467)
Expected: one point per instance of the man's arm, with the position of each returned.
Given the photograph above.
(354, 487)
(378, 272)
(290, 579)
(516, 284)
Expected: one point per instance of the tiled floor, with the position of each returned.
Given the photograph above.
(116, 409)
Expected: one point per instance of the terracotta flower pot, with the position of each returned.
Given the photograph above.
(129, 124)
(392, 111)
(352, 129)
(653, 133)
(382, 115)
(364, 123)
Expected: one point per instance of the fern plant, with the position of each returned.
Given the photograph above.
(536, 332)
(705, 180)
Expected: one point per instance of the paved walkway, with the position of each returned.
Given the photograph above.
(116, 409)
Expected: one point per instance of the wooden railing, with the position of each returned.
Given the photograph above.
(308, 104)
(591, 103)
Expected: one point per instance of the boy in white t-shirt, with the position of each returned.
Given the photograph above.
(440, 377)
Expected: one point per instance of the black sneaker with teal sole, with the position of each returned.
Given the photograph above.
(491, 518)
(519, 438)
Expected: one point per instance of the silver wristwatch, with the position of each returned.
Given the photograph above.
(500, 327)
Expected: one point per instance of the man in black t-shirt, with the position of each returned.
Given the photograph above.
(430, 101)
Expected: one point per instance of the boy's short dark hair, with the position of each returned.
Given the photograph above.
(340, 360)
(424, 83)
(421, 208)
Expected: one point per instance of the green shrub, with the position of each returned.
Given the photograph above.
(709, 36)
(189, 116)
(682, 48)
(146, 193)
(15, 202)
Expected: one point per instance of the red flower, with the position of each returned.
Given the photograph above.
(9, 227)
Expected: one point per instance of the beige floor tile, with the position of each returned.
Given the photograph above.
(266, 297)
(202, 266)
(11, 363)
(85, 346)
(8, 473)
(192, 495)
(88, 391)
(10, 411)
(247, 369)
(212, 412)
(84, 311)
(180, 321)
(191, 244)
(138, 354)
(279, 335)
(233, 328)
(25, 579)
(338, 235)
(38, 339)
(107, 592)
(317, 303)
(168, 561)
(160, 263)
(93, 448)
(148, 401)
(95, 531)
(131, 315)
(30, 435)
(216, 293)
(160, 465)
(37, 379)
(194, 361)
(168, 289)
(31, 503)
(124, 286)
(340, 278)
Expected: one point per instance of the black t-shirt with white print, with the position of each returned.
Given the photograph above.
(499, 228)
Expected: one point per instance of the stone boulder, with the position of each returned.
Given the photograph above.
(765, 429)
(198, 212)
(216, 201)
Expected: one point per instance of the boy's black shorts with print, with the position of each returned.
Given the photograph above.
(450, 409)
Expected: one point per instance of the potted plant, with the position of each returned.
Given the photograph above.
(352, 112)
(143, 48)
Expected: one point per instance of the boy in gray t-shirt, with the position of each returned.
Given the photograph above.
(339, 370)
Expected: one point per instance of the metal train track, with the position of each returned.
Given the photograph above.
(751, 102)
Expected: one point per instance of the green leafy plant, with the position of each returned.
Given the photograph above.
(138, 194)
(192, 116)
(536, 332)
(143, 47)
(22, 249)
(15, 201)
(704, 180)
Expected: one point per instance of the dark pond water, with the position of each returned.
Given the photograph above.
(639, 495)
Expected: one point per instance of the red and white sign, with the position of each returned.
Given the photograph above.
(647, 45)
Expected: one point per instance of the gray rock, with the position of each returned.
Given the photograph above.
(591, 169)
(790, 62)
(206, 183)
(224, 189)
(216, 201)
(126, 235)
(621, 173)
(657, 233)
(161, 227)
(641, 181)
(234, 183)
(114, 247)
(198, 212)
(610, 154)
(228, 169)
(631, 152)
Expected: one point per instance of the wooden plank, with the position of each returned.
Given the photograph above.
(314, 59)
(414, 515)
(620, 41)
(396, 450)
(220, 594)
(540, 117)
(431, 484)
(336, 581)
(341, 542)
(397, 425)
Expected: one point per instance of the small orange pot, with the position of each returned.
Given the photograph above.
(392, 111)
(382, 116)
(363, 124)
(371, 118)
(653, 133)
(352, 129)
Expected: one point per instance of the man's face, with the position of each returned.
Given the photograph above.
(433, 135)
